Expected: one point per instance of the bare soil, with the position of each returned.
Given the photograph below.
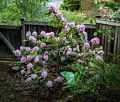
(13, 89)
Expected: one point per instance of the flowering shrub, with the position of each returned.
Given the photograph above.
(56, 59)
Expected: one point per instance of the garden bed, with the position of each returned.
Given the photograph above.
(13, 89)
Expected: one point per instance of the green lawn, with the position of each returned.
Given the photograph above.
(78, 17)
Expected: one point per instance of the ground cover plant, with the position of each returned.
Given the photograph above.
(66, 60)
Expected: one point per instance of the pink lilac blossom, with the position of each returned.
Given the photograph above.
(44, 74)
(59, 15)
(86, 46)
(95, 41)
(45, 57)
(59, 79)
(43, 33)
(43, 45)
(36, 60)
(23, 60)
(22, 72)
(71, 24)
(36, 48)
(99, 58)
(86, 37)
(33, 76)
(17, 53)
(27, 49)
(52, 34)
(29, 58)
(34, 33)
(67, 28)
(29, 66)
(68, 48)
(32, 39)
(52, 9)
(81, 28)
(28, 34)
(63, 20)
(28, 80)
(22, 47)
(64, 39)
(69, 53)
(85, 33)
(47, 35)
(49, 84)
(43, 62)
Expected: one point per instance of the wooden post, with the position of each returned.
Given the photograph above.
(118, 45)
(23, 31)
(115, 43)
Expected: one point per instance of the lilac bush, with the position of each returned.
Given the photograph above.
(51, 55)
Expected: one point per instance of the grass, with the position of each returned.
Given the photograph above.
(78, 17)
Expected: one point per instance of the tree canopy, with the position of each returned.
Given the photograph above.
(12, 10)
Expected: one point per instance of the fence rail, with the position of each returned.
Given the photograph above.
(15, 34)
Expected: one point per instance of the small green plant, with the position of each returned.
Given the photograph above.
(91, 82)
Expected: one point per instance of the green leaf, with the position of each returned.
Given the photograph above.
(69, 77)
(92, 64)
(95, 33)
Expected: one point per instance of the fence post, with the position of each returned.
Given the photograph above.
(23, 31)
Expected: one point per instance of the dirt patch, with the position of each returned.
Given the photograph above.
(13, 89)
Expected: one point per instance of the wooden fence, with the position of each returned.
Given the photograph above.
(109, 38)
(44, 26)
(15, 34)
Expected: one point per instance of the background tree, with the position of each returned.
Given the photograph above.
(71, 5)
(12, 10)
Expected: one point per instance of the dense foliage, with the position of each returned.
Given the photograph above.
(71, 5)
(13, 10)
(113, 5)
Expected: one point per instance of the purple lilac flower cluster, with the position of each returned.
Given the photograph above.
(37, 58)
(58, 14)
(69, 51)
(95, 41)
(60, 17)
